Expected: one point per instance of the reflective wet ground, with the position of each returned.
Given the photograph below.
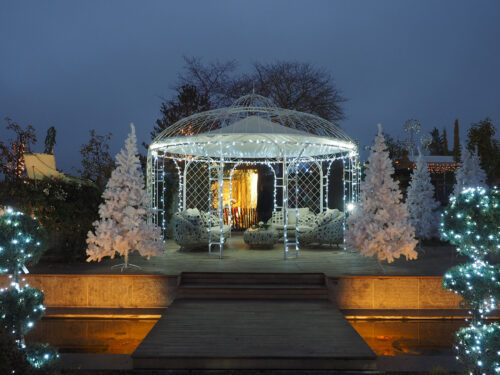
(403, 337)
(122, 336)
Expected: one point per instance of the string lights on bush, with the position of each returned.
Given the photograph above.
(471, 223)
(21, 305)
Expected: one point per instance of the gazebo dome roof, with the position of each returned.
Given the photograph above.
(250, 121)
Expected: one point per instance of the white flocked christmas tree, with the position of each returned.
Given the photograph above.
(469, 173)
(421, 203)
(123, 226)
(379, 224)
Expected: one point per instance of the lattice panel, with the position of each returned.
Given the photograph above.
(197, 187)
(309, 183)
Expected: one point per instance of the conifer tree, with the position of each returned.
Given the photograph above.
(380, 224)
(469, 174)
(445, 143)
(420, 201)
(123, 226)
(456, 142)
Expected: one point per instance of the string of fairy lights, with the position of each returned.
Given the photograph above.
(20, 304)
(157, 186)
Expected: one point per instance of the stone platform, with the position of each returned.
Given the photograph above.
(253, 334)
(253, 321)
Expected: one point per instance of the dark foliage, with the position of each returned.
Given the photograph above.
(97, 163)
(11, 358)
(12, 153)
(444, 142)
(436, 146)
(50, 140)
(395, 147)
(187, 102)
(19, 308)
(17, 231)
(290, 84)
(470, 222)
(66, 209)
(481, 135)
(456, 142)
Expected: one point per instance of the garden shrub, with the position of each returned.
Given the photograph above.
(66, 208)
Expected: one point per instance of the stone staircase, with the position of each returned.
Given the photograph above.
(223, 285)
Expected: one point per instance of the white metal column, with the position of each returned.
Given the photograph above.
(216, 174)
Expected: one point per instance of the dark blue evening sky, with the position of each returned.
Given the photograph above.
(80, 65)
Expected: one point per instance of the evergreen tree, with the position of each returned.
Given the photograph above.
(445, 143)
(456, 142)
(469, 174)
(481, 139)
(380, 224)
(187, 102)
(50, 140)
(420, 201)
(123, 226)
(436, 146)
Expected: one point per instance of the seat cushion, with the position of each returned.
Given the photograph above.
(192, 215)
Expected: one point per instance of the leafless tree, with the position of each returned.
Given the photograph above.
(210, 80)
(290, 84)
(12, 154)
(97, 163)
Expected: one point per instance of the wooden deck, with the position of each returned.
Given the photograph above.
(222, 331)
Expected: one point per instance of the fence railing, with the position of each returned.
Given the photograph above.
(242, 218)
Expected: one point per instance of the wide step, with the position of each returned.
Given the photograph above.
(253, 278)
(252, 285)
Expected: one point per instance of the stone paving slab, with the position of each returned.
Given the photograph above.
(332, 261)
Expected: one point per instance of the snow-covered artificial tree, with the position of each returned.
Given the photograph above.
(469, 173)
(379, 225)
(123, 226)
(420, 201)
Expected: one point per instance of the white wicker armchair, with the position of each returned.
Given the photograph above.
(191, 229)
(306, 221)
(328, 228)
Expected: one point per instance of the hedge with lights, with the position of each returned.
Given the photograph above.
(21, 240)
(21, 305)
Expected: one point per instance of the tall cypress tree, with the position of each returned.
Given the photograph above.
(456, 142)
(445, 142)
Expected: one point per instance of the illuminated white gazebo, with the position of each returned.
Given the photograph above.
(207, 148)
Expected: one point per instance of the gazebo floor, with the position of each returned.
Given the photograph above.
(332, 261)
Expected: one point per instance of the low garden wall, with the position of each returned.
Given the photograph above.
(158, 291)
(392, 292)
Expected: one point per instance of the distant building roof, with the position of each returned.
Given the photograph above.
(39, 166)
(435, 163)
(436, 159)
